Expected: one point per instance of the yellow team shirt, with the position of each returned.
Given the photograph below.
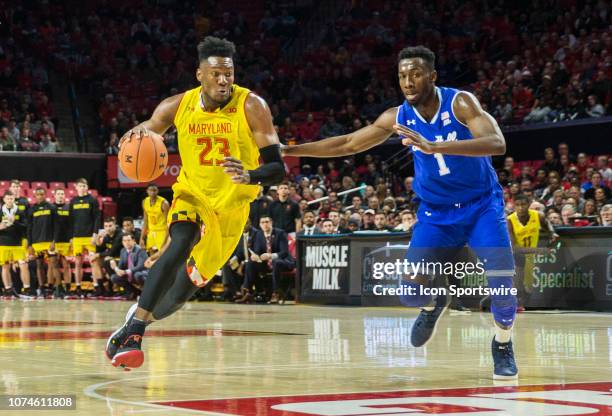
(205, 138)
(155, 217)
(526, 235)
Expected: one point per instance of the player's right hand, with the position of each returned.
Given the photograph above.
(138, 132)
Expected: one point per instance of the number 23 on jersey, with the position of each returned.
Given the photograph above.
(220, 144)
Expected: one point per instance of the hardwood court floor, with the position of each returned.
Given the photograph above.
(213, 358)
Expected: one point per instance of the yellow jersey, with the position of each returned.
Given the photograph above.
(155, 217)
(205, 138)
(526, 235)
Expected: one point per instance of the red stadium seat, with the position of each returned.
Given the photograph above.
(25, 185)
(35, 185)
(55, 185)
(93, 192)
(70, 193)
(71, 185)
(5, 184)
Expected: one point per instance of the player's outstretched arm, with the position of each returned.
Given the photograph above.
(272, 171)
(348, 144)
(160, 121)
(488, 139)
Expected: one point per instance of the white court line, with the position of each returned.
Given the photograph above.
(324, 366)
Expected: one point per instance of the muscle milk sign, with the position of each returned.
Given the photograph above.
(325, 266)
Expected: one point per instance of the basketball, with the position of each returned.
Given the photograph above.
(143, 159)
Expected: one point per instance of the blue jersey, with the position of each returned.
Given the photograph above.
(446, 179)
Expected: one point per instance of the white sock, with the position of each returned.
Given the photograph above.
(502, 335)
(428, 308)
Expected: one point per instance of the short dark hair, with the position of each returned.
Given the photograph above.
(521, 197)
(110, 219)
(128, 219)
(152, 185)
(7, 193)
(131, 235)
(213, 46)
(326, 220)
(40, 188)
(419, 51)
(266, 216)
(81, 180)
(17, 181)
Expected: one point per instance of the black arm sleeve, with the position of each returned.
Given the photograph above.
(96, 215)
(272, 172)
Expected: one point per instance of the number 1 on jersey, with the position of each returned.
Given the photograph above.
(442, 168)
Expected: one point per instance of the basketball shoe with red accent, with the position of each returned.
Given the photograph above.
(130, 354)
(117, 338)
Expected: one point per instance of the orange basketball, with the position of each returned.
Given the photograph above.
(143, 159)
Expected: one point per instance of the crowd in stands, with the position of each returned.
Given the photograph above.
(571, 190)
(546, 61)
(26, 112)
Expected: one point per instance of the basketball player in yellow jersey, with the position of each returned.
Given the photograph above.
(155, 227)
(222, 129)
(524, 226)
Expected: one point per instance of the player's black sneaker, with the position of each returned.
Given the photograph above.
(27, 293)
(59, 292)
(503, 360)
(425, 325)
(130, 354)
(97, 292)
(120, 335)
(79, 293)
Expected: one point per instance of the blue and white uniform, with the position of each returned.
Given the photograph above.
(461, 201)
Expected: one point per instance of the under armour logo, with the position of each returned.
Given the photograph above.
(428, 213)
(409, 122)
(128, 158)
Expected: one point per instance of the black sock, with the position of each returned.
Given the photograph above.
(137, 327)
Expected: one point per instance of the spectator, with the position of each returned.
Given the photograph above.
(550, 163)
(309, 130)
(235, 268)
(270, 253)
(380, 222)
(49, 144)
(131, 267)
(308, 224)
(554, 218)
(327, 227)
(408, 220)
(284, 212)
(595, 109)
(127, 227)
(7, 142)
(604, 169)
(368, 220)
(112, 147)
(567, 212)
(606, 215)
(331, 127)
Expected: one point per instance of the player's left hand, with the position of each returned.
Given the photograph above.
(412, 138)
(233, 167)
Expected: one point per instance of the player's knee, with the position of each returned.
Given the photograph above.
(503, 302)
(412, 293)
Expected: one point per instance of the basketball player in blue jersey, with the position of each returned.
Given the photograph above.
(452, 139)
